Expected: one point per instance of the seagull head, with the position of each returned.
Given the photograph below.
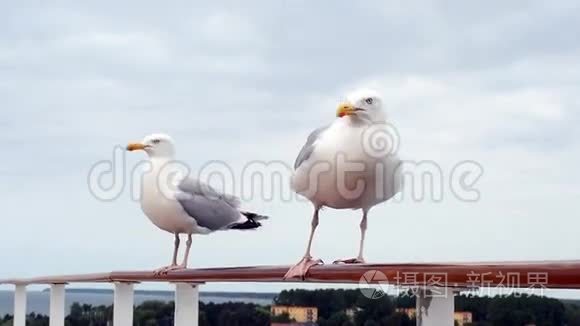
(155, 145)
(364, 105)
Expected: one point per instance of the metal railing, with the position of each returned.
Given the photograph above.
(426, 278)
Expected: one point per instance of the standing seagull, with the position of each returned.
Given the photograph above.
(340, 167)
(183, 204)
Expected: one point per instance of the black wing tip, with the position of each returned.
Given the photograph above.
(247, 225)
(251, 223)
(254, 216)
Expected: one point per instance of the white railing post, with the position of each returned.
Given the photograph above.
(20, 305)
(123, 304)
(186, 304)
(435, 307)
(56, 305)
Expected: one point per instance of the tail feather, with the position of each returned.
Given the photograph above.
(255, 216)
(251, 222)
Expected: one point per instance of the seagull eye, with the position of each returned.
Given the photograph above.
(156, 141)
(369, 100)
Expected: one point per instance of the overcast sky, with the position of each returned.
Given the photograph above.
(492, 82)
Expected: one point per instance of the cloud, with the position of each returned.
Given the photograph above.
(494, 82)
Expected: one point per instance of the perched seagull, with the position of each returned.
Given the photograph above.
(179, 204)
(339, 167)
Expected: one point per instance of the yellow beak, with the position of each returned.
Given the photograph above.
(135, 146)
(345, 109)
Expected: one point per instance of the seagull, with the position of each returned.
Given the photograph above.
(343, 166)
(183, 205)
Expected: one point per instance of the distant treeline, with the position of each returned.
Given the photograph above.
(336, 307)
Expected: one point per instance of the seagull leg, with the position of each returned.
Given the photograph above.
(165, 269)
(363, 230)
(187, 248)
(183, 265)
(175, 249)
(300, 269)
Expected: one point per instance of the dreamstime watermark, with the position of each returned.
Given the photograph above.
(374, 284)
(370, 169)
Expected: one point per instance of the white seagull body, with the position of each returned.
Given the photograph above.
(186, 205)
(343, 137)
(164, 210)
(181, 204)
(339, 167)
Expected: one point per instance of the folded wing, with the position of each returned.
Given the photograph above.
(210, 208)
(308, 148)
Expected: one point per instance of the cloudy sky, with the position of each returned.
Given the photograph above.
(494, 82)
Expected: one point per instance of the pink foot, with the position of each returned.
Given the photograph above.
(301, 269)
(358, 260)
(166, 269)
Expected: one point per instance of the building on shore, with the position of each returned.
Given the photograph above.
(461, 317)
(299, 314)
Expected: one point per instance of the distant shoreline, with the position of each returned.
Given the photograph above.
(221, 294)
(38, 301)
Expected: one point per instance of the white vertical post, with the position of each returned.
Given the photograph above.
(123, 304)
(186, 304)
(57, 294)
(20, 305)
(435, 307)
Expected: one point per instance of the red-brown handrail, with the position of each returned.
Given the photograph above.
(545, 274)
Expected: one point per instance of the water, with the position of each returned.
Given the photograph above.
(38, 301)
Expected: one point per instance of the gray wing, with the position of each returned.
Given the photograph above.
(194, 186)
(308, 148)
(210, 209)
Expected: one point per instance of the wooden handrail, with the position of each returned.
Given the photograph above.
(546, 274)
